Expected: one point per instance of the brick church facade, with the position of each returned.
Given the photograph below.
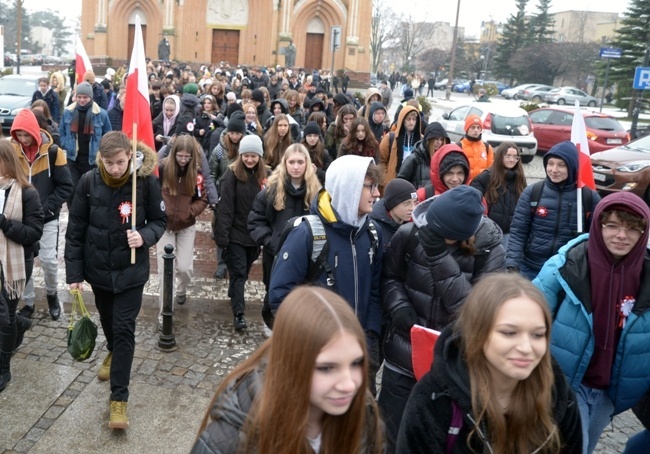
(245, 32)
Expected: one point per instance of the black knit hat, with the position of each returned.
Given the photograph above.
(312, 128)
(456, 214)
(451, 160)
(397, 191)
(237, 123)
(232, 108)
(258, 95)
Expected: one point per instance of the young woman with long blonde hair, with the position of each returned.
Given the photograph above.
(303, 391)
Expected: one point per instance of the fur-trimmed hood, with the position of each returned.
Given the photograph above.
(149, 163)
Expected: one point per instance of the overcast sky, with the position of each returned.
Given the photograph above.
(472, 12)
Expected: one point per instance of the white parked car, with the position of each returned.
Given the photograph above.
(501, 123)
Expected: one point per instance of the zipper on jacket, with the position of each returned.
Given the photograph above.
(356, 272)
(557, 223)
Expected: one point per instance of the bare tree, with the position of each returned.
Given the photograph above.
(409, 34)
(431, 60)
(381, 30)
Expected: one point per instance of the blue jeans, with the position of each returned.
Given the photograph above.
(596, 410)
(638, 444)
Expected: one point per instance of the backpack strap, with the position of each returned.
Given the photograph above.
(454, 427)
(319, 251)
(535, 196)
(52, 153)
(391, 139)
(374, 239)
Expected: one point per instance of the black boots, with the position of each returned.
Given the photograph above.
(22, 325)
(5, 371)
(55, 307)
(7, 345)
(240, 321)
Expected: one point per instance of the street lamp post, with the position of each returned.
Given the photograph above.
(453, 54)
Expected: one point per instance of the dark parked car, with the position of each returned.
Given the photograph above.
(552, 125)
(15, 95)
(625, 168)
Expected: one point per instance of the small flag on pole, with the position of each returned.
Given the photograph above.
(136, 105)
(82, 62)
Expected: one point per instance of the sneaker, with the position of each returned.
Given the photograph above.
(221, 273)
(180, 299)
(104, 372)
(26, 311)
(240, 322)
(55, 307)
(268, 332)
(118, 419)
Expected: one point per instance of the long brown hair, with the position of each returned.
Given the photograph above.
(530, 422)
(309, 318)
(171, 169)
(339, 130)
(499, 175)
(278, 178)
(9, 164)
(316, 153)
(351, 145)
(242, 172)
(292, 94)
(274, 146)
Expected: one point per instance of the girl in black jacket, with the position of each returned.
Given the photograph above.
(502, 185)
(239, 186)
(21, 226)
(288, 193)
(494, 381)
(101, 239)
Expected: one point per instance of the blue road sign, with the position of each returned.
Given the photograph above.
(641, 78)
(610, 52)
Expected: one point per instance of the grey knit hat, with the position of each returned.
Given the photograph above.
(251, 144)
(84, 88)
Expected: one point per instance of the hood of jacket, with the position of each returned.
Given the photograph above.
(434, 172)
(374, 107)
(26, 121)
(567, 152)
(402, 114)
(190, 101)
(284, 105)
(149, 163)
(344, 181)
(434, 129)
(372, 91)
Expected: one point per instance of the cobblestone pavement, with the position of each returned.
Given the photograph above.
(208, 348)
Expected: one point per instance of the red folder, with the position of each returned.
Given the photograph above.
(422, 341)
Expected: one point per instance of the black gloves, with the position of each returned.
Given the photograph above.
(404, 318)
(432, 243)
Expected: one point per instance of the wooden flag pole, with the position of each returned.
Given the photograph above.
(134, 185)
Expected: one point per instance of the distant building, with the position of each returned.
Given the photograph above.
(490, 32)
(42, 40)
(252, 32)
(584, 26)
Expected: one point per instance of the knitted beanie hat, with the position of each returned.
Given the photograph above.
(237, 123)
(473, 120)
(456, 214)
(453, 159)
(84, 88)
(397, 191)
(191, 88)
(251, 144)
(258, 95)
(312, 128)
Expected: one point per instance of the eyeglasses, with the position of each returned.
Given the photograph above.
(511, 158)
(372, 186)
(183, 158)
(615, 229)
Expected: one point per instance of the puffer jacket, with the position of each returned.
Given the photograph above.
(536, 237)
(96, 247)
(348, 245)
(417, 167)
(503, 210)
(435, 287)
(182, 209)
(428, 413)
(266, 224)
(101, 125)
(566, 283)
(28, 231)
(228, 414)
(479, 153)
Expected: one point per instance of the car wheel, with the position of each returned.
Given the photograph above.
(527, 158)
(537, 99)
(592, 104)
(465, 90)
(514, 97)
(560, 102)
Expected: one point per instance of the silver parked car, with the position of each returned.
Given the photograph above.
(568, 95)
(512, 93)
(535, 93)
(501, 123)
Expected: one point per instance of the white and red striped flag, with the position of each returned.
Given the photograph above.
(137, 112)
(585, 172)
(82, 62)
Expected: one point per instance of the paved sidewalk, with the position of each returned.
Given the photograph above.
(56, 405)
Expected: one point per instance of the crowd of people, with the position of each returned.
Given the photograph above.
(542, 327)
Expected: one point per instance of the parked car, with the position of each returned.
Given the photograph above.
(535, 93)
(568, 95)
(552, 125)
(512, 93)
(501, 123)
(624, 168)
(500, 85)
(9, 59)
(15, 95)
(463, 86)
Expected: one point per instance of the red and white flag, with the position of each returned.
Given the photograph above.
(579, 138)
(137, 112)
(82, 62)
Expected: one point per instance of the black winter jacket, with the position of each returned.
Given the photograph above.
(428, 413)
(158, 129)
(435, 287)
(234, 205)
(503, 210)
(416, 168)
(266, 224)
(28, 231)
(96, 247)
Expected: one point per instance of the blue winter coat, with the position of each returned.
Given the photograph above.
(101, 125)
(534, 238)
(357, 270)
(565, 281)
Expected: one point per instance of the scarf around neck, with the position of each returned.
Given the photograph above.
(88, 121)
(110, 181)
(12, 254)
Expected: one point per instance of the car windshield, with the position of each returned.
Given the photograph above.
(604, 124)
(510, 126)
(642, 144)
(17, 87)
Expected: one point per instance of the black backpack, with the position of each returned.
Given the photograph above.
(320, 246)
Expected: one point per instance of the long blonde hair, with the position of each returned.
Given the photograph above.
(278, 179)
(530, 422)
